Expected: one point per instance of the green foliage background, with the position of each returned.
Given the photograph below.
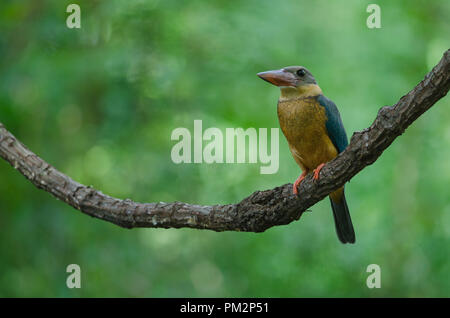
(100, 103)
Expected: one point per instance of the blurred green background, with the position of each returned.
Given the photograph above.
(99, 103)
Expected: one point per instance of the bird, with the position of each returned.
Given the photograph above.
(314, 131)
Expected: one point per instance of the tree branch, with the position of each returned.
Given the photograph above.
(262, 209)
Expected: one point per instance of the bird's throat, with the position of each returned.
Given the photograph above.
(289, 93)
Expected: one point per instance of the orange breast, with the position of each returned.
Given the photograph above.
(303, 124)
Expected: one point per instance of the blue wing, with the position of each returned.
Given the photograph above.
(334, 125)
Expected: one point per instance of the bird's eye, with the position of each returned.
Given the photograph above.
(301, 72)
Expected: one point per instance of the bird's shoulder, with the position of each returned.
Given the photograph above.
(334, 124)
(328, 104)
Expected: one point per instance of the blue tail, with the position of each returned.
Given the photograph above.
(343, 221)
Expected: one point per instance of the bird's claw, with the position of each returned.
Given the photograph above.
(317, 171)
(303, 175)
(297, 183)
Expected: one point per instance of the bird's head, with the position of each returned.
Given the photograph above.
(291, 78)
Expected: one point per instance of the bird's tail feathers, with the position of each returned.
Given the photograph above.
(342, 219)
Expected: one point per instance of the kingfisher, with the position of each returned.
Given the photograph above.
(314, 131)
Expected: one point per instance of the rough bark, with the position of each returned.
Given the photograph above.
(262, 209)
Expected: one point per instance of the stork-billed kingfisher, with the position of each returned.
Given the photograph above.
(315, 133)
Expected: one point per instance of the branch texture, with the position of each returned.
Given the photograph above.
(262, 209)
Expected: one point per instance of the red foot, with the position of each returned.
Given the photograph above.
(317, 171)
(297, 182)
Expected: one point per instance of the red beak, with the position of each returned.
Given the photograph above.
(278, 78)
